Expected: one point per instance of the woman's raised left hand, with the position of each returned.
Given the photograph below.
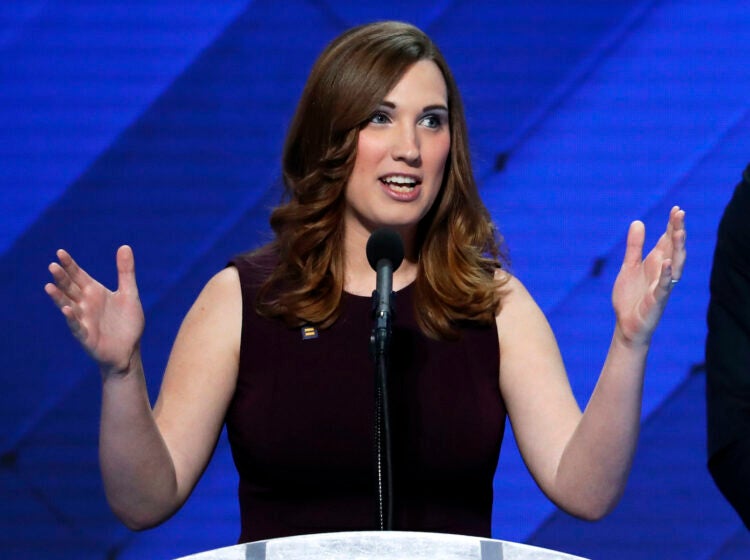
(643, 286)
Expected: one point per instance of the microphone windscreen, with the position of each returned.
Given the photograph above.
(385, 243)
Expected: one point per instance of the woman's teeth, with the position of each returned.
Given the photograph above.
(399, 184)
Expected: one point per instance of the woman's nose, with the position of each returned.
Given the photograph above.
(406, 145)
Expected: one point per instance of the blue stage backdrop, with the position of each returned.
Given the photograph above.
(159, 123)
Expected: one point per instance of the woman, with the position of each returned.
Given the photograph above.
(378, 139)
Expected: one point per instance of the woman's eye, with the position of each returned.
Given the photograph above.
(432, 121)
(379, 118)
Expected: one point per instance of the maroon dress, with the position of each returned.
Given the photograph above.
(300, 423)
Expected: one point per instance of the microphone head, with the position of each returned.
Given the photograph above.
(385, 243)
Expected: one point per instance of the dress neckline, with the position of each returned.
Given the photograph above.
(406, 289)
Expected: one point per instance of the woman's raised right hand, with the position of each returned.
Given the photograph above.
(108, 324)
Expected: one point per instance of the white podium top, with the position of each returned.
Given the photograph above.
(381, 545)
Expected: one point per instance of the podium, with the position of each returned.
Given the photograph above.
(381, 545)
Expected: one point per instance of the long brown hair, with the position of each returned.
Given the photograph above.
(458, 245)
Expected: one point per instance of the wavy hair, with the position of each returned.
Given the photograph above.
(458, 246)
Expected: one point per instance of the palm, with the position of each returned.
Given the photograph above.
(107, 324)
(112, 322)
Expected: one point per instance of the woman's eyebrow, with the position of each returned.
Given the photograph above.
(435, 107)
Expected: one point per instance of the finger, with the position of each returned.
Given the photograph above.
(666, 243)
(664, 286)
(679, 237)
(64, 283)
(634, 247)
(671, 221)
(56, 295)
(75, 272)
(67, 308)
(126, 271)
(675, 220)
(75, 325)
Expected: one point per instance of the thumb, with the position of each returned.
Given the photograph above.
(126, 271)
(634, 248)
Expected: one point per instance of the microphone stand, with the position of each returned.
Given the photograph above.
(379, 346)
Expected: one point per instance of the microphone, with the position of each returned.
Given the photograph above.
(385, 251)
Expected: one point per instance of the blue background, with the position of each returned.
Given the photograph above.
(160, 124)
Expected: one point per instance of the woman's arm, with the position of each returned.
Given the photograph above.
(151, 460)
(582, 460)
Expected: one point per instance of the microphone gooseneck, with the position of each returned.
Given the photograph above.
(385, 251)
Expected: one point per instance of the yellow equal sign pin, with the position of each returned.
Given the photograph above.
(309, 332)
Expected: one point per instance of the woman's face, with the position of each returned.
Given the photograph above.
(401, 155)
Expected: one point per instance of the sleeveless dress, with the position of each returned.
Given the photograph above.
(300, 423)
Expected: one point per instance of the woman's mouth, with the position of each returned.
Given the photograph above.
(401, 187)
